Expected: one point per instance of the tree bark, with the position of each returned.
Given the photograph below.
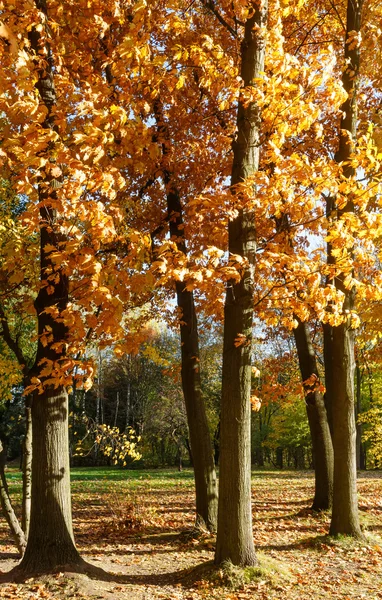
(317, 418)
(345, 518)
(7, 508)
(234, 536)
(50, 542)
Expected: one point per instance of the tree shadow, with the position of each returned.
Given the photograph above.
(153, 534)
(313, 542)
(176, 539)
(308, 474)
(184, 577)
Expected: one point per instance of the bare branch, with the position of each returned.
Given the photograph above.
(12, 344)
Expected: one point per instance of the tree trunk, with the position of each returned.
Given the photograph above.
(27, 467)
(128, 394)
(279, 458)
(116, 410)
(317, 418)
(360, 455)
(345, 518)
(328, 366)
(200, 438)
(98, 406)
(50, 542)
(26, 456)
(7, 508)
(234, 537)
(188, 446)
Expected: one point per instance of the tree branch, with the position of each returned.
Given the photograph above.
(210, 5)
(12, 344)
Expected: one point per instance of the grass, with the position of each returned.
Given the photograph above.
(101, 479)
(268, 570)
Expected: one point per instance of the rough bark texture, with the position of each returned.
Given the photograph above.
(318, 421)
(345, 519)
(7, 509)
(234, 536)
(50, 542)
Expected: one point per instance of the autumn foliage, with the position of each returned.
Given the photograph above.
(224, 153)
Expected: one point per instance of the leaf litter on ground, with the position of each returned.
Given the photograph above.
(137, 528)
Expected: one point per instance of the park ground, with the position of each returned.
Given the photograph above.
(135, 526)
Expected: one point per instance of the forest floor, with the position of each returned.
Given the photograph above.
(133, 525)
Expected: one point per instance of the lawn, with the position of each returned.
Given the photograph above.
(135, 526)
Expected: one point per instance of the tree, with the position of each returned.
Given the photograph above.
(234, 536)
(6, 505)
(345, 518)
(60, 230)
(17, 327)
(200, 439)
(50, 540)
(317, 416)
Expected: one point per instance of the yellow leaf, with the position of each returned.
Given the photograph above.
(180, 82)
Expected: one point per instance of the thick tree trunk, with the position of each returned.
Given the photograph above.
(345, 519)
(7, 508)
(50, 542)
(317, 418)
(200, 437)
(27, 467)
(234, 537)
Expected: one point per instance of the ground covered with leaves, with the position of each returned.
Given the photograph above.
(135, 527)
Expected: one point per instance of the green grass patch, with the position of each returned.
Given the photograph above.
(268, 569)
